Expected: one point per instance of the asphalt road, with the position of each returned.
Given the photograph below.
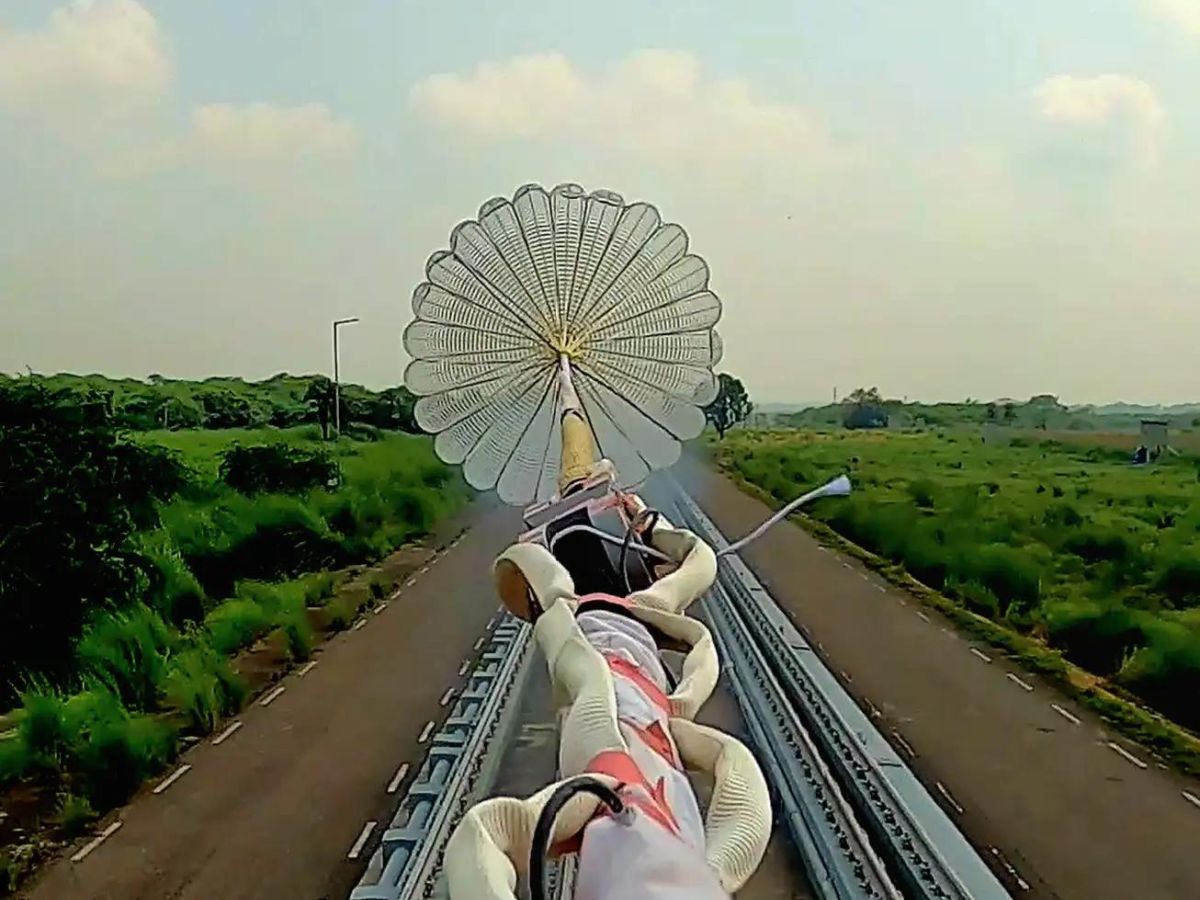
(1074, 810)
(275, 807)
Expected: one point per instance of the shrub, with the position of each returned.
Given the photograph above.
(14, 758)
(1098, 545)
(1179, 579)
(74, 814)
(1062, 514)
(126, 652)
(173, 590)
(236, 624)
(277, 468)
(922, 492)
(977, 598)
(202, 686)
(1097, 637)
(1166, 672)
(118, 753)
(1008, 573)
(42, 727)
(270, 537)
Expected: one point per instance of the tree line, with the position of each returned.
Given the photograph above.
(282, 401)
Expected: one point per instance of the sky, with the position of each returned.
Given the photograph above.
(943, 199)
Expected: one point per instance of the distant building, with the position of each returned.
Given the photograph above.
(1154, 435)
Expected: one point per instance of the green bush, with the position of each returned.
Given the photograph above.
(234, 537)
(74, 814)
(126, 652)
(117, 754)
(236, 624)
(277, 468)
(1095, 636)
(1007, 572)
(922, 491)
(42, 727)
(1179, 579)
(14, 758)
(173, 590)
(1098, 545)
(202, 686)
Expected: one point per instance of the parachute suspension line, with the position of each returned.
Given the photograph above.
(839, 487)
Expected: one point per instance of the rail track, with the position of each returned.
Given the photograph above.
(860, 821)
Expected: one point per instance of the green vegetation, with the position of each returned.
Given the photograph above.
(282, 401)
(731, 406)
(133, 565)
(1092, 556)
(867, 408)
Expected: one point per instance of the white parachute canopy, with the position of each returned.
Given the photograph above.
(553, 274)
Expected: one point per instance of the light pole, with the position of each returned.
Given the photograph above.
(337, 401)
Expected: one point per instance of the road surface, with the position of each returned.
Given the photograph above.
(1067, 804)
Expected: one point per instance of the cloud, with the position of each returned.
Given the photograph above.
(263, 131)
(655, 105)
(1104, 99)
(228, 137)
(1183, 14)
(91, 58)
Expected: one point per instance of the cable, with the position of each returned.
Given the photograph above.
(839, 487)
(539, 850)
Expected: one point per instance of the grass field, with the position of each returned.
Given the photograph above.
(1065, 542)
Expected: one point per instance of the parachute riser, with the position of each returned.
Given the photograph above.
(578, 456)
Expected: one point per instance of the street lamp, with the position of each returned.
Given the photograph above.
(337, 402)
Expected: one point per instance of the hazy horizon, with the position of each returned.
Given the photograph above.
(944, 200)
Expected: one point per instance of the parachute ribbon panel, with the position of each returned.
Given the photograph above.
(606, 284)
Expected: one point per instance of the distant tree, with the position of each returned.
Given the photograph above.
(225, 409)
(1010, 412)
(864, 408)
(731, 406)
(991, 413)
(319, 397)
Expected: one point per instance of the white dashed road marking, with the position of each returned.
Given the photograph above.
(394, 784)
(272, 697)
(923, 617)
(1015, 680)
(306, 668)
(226, 734)
(981, 655)
(949, 799)
(172, 778)
(1191, 798)
(446, 697)
(462, 670)
(479, 643)
(1125, 753)
(359, 624)
(425, 733)
(96, 841)
(381, 607)
(362, 840)
(1021, 882)
(905, 744)
(1065, 714)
